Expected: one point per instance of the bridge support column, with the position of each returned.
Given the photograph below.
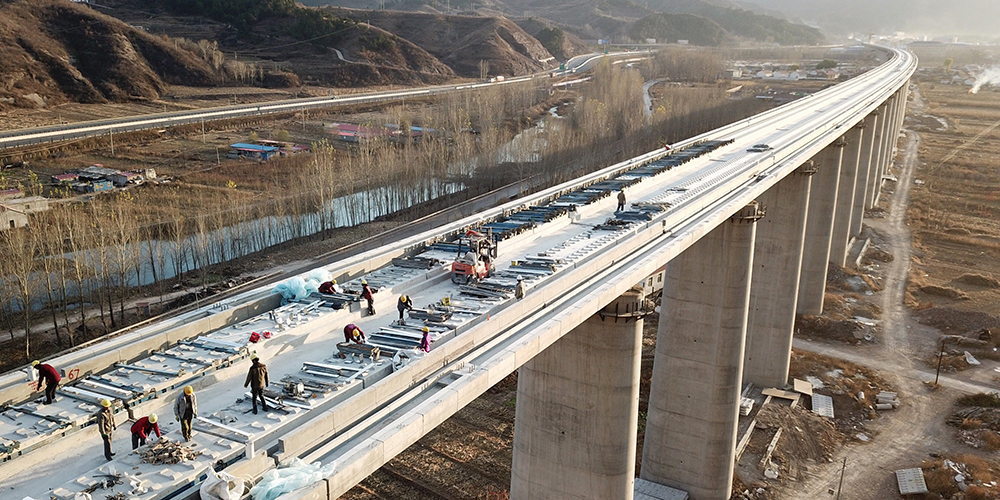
(877, 169)
(577, 411)
(690, 440)
(904, 95)
(819, 228)
(868, 147)
(774, 288)
(845, 195)
(892, 135)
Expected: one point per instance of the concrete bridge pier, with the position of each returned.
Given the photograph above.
(901, 97)
(578, 408)
(892, 135)
(868, 147)
(690, 440)
(885, 112)
(774, 288)
(819, 228)
(845, 197)
(904, 94)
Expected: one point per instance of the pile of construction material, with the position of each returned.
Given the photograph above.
(886, 401)
(164, 452)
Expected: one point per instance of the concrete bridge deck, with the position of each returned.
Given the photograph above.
(375, 408)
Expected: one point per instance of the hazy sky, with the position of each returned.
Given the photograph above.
(934, 17)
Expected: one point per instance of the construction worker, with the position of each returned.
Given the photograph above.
(520, 289)
(366, 293)
(185, 409)
(106, 426)
(257, 380)
(354, 334)
(143, 428)
(404, 304)
(330, 287)
(621, 200)
(425, 340)
(49, 377)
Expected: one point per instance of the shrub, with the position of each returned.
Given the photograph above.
(982, 399)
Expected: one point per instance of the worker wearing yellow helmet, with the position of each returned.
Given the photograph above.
(143, 428)
(404, 304)
(106, 426)
(425, 340)
(185, 409)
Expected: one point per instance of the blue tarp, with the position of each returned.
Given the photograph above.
(254, 147)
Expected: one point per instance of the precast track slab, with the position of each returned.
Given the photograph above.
(331, 400)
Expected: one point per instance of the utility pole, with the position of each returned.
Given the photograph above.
(112, 132)
(841, 485)
(203, 131)
(940, 355)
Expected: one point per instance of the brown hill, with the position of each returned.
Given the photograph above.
(560, 43)
(54, 51)
(371, 56)
(462, 41)
(368, 56)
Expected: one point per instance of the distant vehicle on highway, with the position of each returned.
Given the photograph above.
(759, 148)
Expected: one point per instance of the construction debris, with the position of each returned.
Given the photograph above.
(822, 405)
(164, 452)
(886, 401)
(802, 387)
(969, 358)
(911, 481)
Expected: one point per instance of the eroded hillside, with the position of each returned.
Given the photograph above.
(55, 51)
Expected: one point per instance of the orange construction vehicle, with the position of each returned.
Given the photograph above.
(474, 262)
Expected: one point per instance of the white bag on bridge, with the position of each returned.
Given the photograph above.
(298, 474)
(221, 486)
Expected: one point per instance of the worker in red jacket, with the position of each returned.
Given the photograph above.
(367, 294)
(353, 333)
(143, 428)
(50, 377)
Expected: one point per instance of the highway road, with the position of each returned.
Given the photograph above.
(25, 137)
(380, 407)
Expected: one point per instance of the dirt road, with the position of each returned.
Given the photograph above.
(906, 436)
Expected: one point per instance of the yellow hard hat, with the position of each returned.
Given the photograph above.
(426, 330)
(404, 298)
(105, 403)
(253, 357)
(188, 390)
(152, 418)
(35, 363)
(364, 282)
(333, 281)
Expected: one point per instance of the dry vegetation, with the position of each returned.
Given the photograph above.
(980, 478)
(955, 210)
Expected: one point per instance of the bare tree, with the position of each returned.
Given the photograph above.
(20, 249)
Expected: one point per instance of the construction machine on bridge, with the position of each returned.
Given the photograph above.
(475, 256)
